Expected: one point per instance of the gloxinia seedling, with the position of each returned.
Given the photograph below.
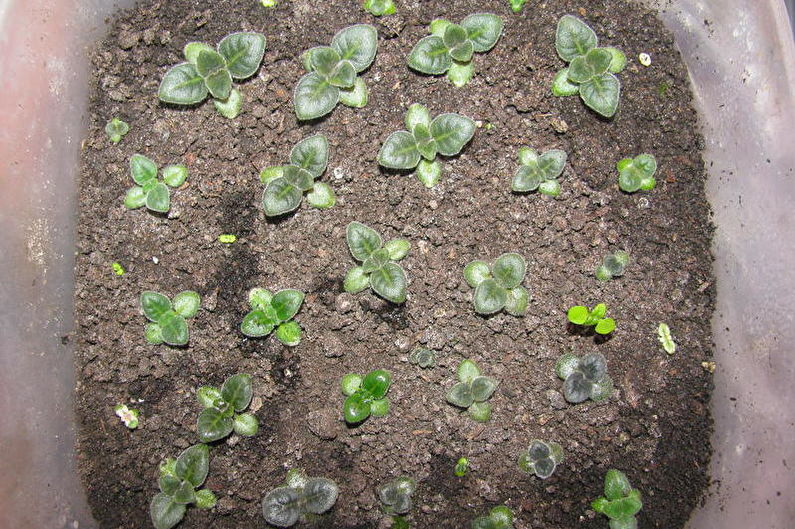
(517, 5)
(418, 146)
(613, 265)
(129, 416)
(581, 315)
(211, 72)
(423, 357)
(539, 172)
(541, 458)
(379, 269)
(222, 409)
(151, 192)
(379, 8)
(472, 391)
(584, 377)
(396, 495)
(450, 47)
(667, 341)
(300, 497)
(497, 287)
(179, 480)
(333, 73)
(591, 69)
(168, 318)
(273, 311)
(637, 173)
(620, 503)
(286, 184)
(500, 517)
(116, 129)
(365, 396)
(461, 467)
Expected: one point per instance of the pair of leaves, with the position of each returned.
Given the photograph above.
(333, 71)
(151, 192)
(500, 517)
(379, 270)
(497, 287)
(168, 319)
(219, 418)
(284, 506)
(637, 173)
(581, 315)
(365, 396)
(286, 185)
(539, 172)
(472, 391)
(116, 129)
(621, 502)
(379, 8)
(541, 458)
(396, 495)
(178, 482)
(269, 311)
(584, 378)
(613, 265)
(666, 339)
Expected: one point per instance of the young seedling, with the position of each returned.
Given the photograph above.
(541, 458)
(116, 129)
(450, 47)
(379, 269)
(517, 5)
(591, 69)
(168, 318)
(637, 173)
(365, 396)
(667, 341)
(461, 467)
(286, 184)
(423, 357)
(179, 480)
(300, 497)
(539, 172)
(613, 265)
(499, 517)
(580, 315)
(497, 287)
(222, 410)
(129, 416)
(210, 72)
(584, 377)
(396, 495)
(333, 73)
(379, 8)
(151, 192)
(118, 269)
(472, 391)
(418, 146)
(620, 502)
(273, 311)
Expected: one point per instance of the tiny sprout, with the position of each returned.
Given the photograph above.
(129, 416)
(541, 458)
(227, 238)
(461, 467)
(118, 269)
(450, 47)
(497, 287)
(220, 415)
(613, 265)
(269, 311)
(472, 391)
(168, 318)
(417, 147)
(580, 315)
(584, 377)
(116, 129)
(517, 5)
(285, 185)
(396, 495)
(300, 497)
(399, 522)
(637, 173)
(267, 3)
(667, 341)
(620, 502)
(379, 269)
(365, 396)
(179, 479)
(500, 517)
(423, 357)
(379, 7)
(539, 172)
(150, 192)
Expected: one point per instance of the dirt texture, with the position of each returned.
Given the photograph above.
(655, 427)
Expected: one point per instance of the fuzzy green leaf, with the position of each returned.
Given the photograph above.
(158, 198)
(184, 493)
(311, 154)
(362, 240)
(399, 151)
(430, 56)
(417, 114)
(182, 85)
(165, 512)
(350, 383)
(426, 145)
(483, 29)
(187, 303)
(343, 75)
(142, 169)
(257, 323)
(452, 132)
(429, 173)
(356, 280)
(209, 62)
(280, 197)
(298, 178)
(193, 49)
(397, 249)
(321, 196)
(566, 365)
(467, 371)
(561, 86)
(231, 106)
(175, 175)
(314, 97)
(509, 270)
(376, 260)
(460, 73)
(173, 328)
(454, 35)
(389, 282)
(282, 506)
(573, 38)
(482, 388)
(517, 302)
(289, 333)
(463, 52)
(357, 44)
(480, 411)
(135, 198)
(245, 424)
(219, 84)
(205, 499)
(489, 297)
(618, 60)
(237, 391)
(324, 59)
(461, 395)
(476, 272)
(193, 464)
(243, 52)
(286, 303)
(153, 334)
(154, 305)
(601, 94)
(320, 494)
(213, 424)
(595, 62)
(168, 484)
(355, 97)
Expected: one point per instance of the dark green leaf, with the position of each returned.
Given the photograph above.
(219, 84)
(482, 388)
(430, 56)
(357, 44)
(257, 323)
(601, 94)
(399, 151)
(460, 395)
(182, 85)
(483, 29)
(311, 154)
(377, 383)
(193, 464)
(142, 169)
(173, 328)
(362, 240)
(509, 270)
(243, 53)
(314, 97)
(281, 506)
(573, 38)
(451, 132)
(209, 61)
(237, 391)
(165, 513)
(158, 198)
(154, 305)
(356, 408)
(320, 494)
(280, 197)
(286, 303)
(490, 297)
(389, 282)
(213, 425)
(168, 484)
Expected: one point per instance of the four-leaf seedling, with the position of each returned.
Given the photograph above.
(500, 517)
(150, 192)
(423, 357)
(613, 265)
(379, 8)
(498, 287)
(269, 311)
(116, 129)
(222, 409)
(378, 270)
(168, 319)
(365, 396)
(620, 503)
(300, 497)
(472, 391)
(581, 315)
(584, 377)
(539, 172)
(541, 458)
(637, 173)
(396, 495)
(179, 480)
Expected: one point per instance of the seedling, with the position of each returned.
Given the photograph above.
(118, 269)
(129, 416)
(613, 265)
(418, 146)
(541, 458)
(461, 467)
(399, 522)
(396, 495)
(637, 173)
(580, 315)
(517, 5)
(620, 503)
(472, 391)
(116, 129)
(591, 69)
(179, 482)
(450, 47)
(151, 192)
(667, 341)
(365, 396)
(210, 72)
(497, 287)
(268, 3)
(286, 184)
(379, 269)
(300, 497)
(273, 311)
(333, 73)
(539, 172)
(379, 7)
(423, 357)
(168, 318)
(499, 517)
(584, 377)
(221, 414)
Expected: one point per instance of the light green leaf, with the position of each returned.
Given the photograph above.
(153, 334)
(314, 97)
(379, 407)
(321, 196)
(355, 97)
(182, 85)
(489, 297)
(257, 323)
(430, 56)
(286, 303)
(356, 280)
(311, 154)
(605, 326)
(483, 29)
(667, 341)
(460, 395)
(573, 38)
(480, 411)
(343, 75)
(601, 94)
(362, 240)
(452, 132)
(429, 173)
(207, 395)
(509, 270)
(205, 499)
(187, 303)
(357, 44)
(438, 26)
(175, 175)
(135, 198)
(173, 328)
(259, 298)
(462, 53)
(595, 62)
(417, 115)
(142, 169)
(230, 108)
(483, 388)
(280, 197)
(154, 305)
(158, 198)
(270, 174)
(243, 52)
(397, 248)
(618, 60)
(561, 86)
(550, 188)
(379, 7)
(320, 494)
(282, 506)
(193, 49)
(460, 73)
(527, 178)
(237, 391)
(213, 424)
(209, 62)
(389, 282)
(517, 302)
(476, 272)
(454, 35)
(323, 60)
(566, 365)
(193, 464)
(350, 383)
(219, 84)
(297, 177)
(578, 315)
(289, 333)
(426, 145)
(184, 493)
(617, 485)
(399, 151)
(467, 371)
(165, 512)
(245, 424)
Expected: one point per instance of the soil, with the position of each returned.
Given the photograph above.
(655, 427)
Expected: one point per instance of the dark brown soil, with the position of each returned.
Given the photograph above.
(655, 427)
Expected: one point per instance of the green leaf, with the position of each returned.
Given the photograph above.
(476, 272)
(280, 197)
(209, 62)
(460, 73)
(175, 175)
(605, 326)
(320, 494)
(165, 513)
(624, 507)
(259, 298)
(154, 305)
(350, 384)
(376, 260)
(356, 280)
(430, 56)
(257, 323)
(462, 53)
(429, 173)
(550, 188)
(438, 26)
(483, 29)
(362, 240)
(460, 395)
(614, 265)
(243, 52)
(573, 38)
(187, 303)
(314, 97)
(356, 408)
(526, 179)
(237, 391)
(184, 493)
(517, 5)
(219, 84)
(135, 198)
(321, 196)
(205, 499)
(624, 523)
(213, 425)
(598, 312)
(502, 515)
(207, 395)
(577, 388)
(193, 49)
(452, 132)
(193, 464)
(454, 35)
(282, 506)
(467, 371)
(269, 174)
(517, 302)
(153, 334)
(142, 169)
(379, 7)
(355, 97)
(480, 412)
(229, 108)
(634, 173)
(311, 154)
(377, 383)
(509, 270)
(399, 151)
(379, 408)
(357, 44)
(602, 389)
(389, 282)
(595, 62)
(298, 178)
(168, 484)
(566, 365)
(173, 328)
(417, 115)
(666, 339)
(561, 86)
(343, 75)
(618, 60)
(286, 303)
(289, 333)
(158, 198)
(489, 297)
(483, 388)
(324, 59)
(544, 467)
(245, 424)
(397, 249)
(426, 145)
(182, 85)
(601, 94)
(578, 315)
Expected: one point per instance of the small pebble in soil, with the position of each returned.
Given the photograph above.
(323, 423)
(644, 59)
